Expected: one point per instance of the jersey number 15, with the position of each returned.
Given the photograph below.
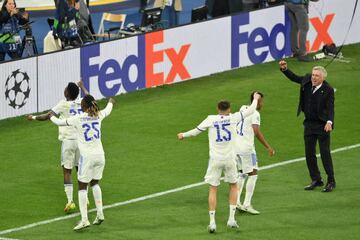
(223, 134)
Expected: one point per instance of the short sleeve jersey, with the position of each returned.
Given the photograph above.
(65, 109)
(88, 131)
(221, 133)
(245, 132)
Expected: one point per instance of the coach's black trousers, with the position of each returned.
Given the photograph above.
(312, 134)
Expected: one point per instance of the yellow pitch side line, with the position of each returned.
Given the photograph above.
(101, 2)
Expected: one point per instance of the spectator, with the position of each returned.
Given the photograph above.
(171, 9)
(10, 19)
(65, 21)
(298, 13)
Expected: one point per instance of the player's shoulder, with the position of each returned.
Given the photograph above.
(243, 107)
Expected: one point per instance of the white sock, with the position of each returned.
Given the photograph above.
(98, 200)
(68, 188)
(83, 205)
(232, 213)
(241, 181)
(212, 216)
(250, 186)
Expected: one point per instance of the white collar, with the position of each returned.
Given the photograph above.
(317, 87)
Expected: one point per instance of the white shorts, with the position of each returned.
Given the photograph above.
(217, 167)
(91, 168)
(69, 154)
(246, 162)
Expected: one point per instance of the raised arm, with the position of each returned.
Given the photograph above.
(288, 73)
(107, 110)
(251, 109)
(82, 87)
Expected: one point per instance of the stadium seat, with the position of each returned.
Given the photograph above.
(115, 22)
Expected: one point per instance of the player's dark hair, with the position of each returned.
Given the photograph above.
(223, 105)
(252, 95)
(90, 106)
(73, 90)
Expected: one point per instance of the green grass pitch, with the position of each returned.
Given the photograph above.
(143, 156)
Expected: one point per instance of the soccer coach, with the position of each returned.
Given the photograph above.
(317, 103)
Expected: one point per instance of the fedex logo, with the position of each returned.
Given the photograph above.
(259, 42)
(322, 30)
(144, 61)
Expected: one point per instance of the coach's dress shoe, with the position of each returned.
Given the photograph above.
(314, 184)
(329, 187)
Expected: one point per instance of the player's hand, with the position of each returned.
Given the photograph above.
(80, 83)
(257, 96)
(180, 136)
(111, 100)
(50, 114)
(29, 117)
(283, 65)
(328, 127)
(271, 151)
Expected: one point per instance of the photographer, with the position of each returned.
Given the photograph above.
(10, 20)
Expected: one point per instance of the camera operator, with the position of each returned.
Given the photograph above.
(10, 20)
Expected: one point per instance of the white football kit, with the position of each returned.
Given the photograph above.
(245, 146)
(221, 133)
(67, 134)
(88, 129)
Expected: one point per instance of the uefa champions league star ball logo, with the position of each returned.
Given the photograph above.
(17, 89)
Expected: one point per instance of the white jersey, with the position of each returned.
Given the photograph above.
(222, 132)
(88, 130)
(245, 133)
(65, 109)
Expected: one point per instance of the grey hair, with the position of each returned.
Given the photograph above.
(321, 69)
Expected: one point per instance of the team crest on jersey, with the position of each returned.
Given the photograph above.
(17, 89)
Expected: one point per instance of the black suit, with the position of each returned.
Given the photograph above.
(318, 108)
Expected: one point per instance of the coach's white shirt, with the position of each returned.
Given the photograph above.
(245, 133)
(222, 132)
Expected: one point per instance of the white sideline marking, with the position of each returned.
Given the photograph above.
(154, 195)
(1, 238)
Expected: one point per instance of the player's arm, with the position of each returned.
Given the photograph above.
(196, 131)
(107, 110)
(82, 87)
(252, 108)
(62, 122)
(41, 117)
(261, 138)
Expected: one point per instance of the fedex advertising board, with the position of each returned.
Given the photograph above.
(329, 21)
(156, 58)
(55, 71)
(259, 36)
